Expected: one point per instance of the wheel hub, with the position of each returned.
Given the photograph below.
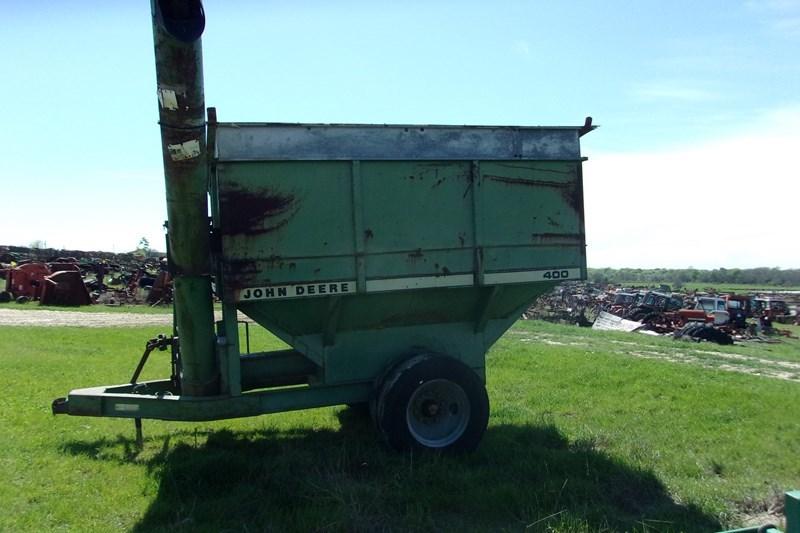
(437, 413)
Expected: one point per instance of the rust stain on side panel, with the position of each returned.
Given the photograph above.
(239, 273)
(557, 238)
(248, 212)
(570, 190)
(530, 183)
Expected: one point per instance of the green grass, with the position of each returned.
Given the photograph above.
(584, 435)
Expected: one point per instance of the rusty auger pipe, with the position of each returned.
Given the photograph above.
(177, 27)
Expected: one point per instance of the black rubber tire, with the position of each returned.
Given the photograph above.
(687, 331)
(704, 333)
(649, 317)
(635, 313)
(712, 334)
(695, 329)
(679, 333)
(5, 297)
(399, 387)
(723, 338)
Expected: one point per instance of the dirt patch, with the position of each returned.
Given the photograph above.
(749, 358)
(543, 338)
(716, 360)
(14, 317)
(753, 512)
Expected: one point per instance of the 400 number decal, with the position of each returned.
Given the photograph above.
(556, 274)
(527, 276)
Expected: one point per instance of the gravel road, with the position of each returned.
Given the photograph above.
(22, 317)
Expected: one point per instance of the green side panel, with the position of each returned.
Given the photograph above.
(295, 221)
(548, 192)
(532, 215)
(417, 218)
(285, 222)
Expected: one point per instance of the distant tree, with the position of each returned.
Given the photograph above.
(599, 277)
(37, 245)
(144, 245)
(680, 277)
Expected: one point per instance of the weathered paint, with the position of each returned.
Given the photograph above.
(372, 142)
(167, 99)
(177, 27)
(256, 212)
(185, 150)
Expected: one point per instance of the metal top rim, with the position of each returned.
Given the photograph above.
(389, 126)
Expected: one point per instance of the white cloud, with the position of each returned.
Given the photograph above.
(781, 15)
(522, 47)
(774, 5)
(730, 202)
(789, 26)
(671, 90)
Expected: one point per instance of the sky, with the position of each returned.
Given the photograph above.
(694, 163)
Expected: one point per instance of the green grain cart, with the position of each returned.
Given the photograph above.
(390, 258)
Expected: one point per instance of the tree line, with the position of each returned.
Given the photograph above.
(681, 276)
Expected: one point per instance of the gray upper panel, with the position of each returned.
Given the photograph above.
(264, 142)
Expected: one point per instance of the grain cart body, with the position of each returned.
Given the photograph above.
(390, 258)
(357, 244)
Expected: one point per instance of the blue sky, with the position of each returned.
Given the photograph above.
(698, 103)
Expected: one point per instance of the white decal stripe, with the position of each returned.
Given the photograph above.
(555, 274)
(126, 407)
(280, 292)
(424, 282)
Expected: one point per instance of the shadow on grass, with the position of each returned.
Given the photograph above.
(311, 480)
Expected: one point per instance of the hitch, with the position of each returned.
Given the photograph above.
(162, 342)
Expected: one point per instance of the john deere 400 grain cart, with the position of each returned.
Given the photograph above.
(390, 258)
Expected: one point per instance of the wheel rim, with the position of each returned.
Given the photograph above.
(437, 413)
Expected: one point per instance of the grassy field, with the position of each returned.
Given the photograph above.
(589, 431)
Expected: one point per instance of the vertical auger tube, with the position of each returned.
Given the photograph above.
(177, 27)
